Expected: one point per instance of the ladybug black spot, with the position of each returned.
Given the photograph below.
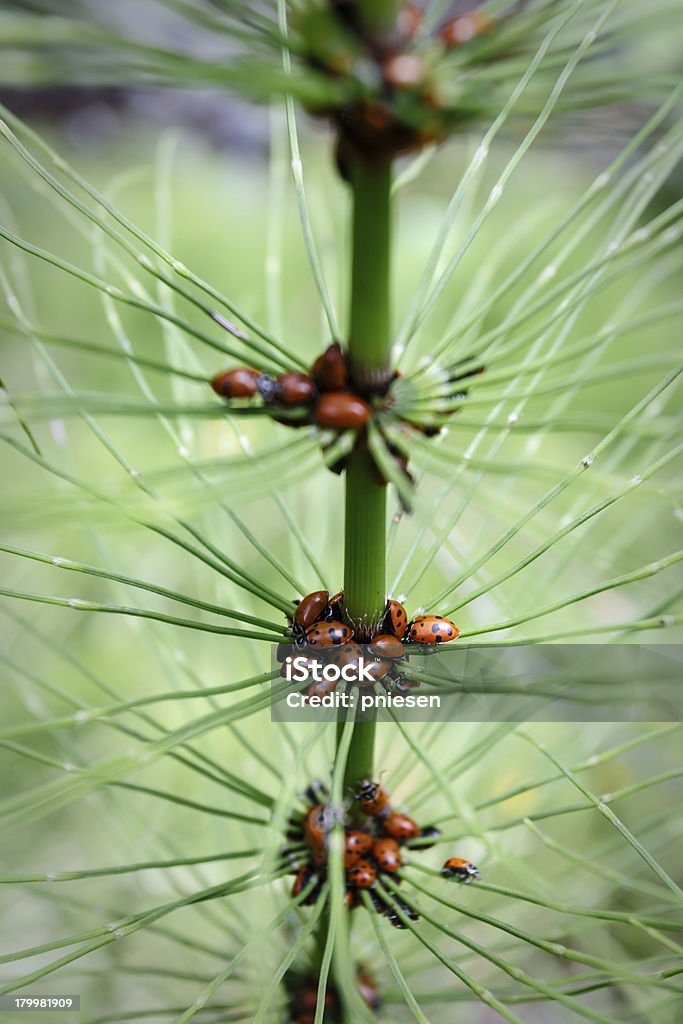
(439, 639)
(450, 631)
(435, 628)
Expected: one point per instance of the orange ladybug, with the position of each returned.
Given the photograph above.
(342, 411)
(387, 855)
(404, 71)
(328, 634)
(409, 20)
(315, 828)
(373, 799)
(362, 875)
(311, 608)
(294, 389)
(464, 28)
(368, 988)
(321, 687)
(460, 869)
(356, 845)
(400, 827)
(395, 618)
(239, 383)
(432, 629)
(384, 645)
(348, 654)
(329, 370)
(378, 669)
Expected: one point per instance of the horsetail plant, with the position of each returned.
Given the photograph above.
(498, 401)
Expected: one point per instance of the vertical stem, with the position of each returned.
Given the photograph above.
(369, 352)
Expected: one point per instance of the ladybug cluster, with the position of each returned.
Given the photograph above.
(322, 396)
(372, 848)
(405, 102)
(322, 629)
(303, 996)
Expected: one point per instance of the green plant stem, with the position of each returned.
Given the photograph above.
(369, 353)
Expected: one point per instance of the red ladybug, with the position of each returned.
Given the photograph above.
(460, 869)
(352, 899)
(348, 654)
(335, 605)
(409, 20)
(321, 687)
(387, 855)
(387, 646)
(404, 71)
(315, 828)
(395, 618)
(373, 799)
(239, 383)
(378, 669)
(328, 634)
(342, 411)
(368, 988)
(303, 877)
(356, 845)
(329, 370)
(432, 629)
(464, 28)
(294, 389)
(362, 875)
(305, 1002)
(311, 608)
(411, 914)
(400, 827)
(429, 832)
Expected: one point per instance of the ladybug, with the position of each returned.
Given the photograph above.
(294, 389)
(411, 914)
(321, 687)
(356, 845)
(429, 832)
(328, 634)
(348, 654)
(400, 827)
(362, 875)
(239, 383)
(404, 685)
(352, 899)
(409, 20)
(367, 988)
(315, 826)
(384, 645)
(387, 855)
(329, 370)
(395, 618)
(305, 1002)
(380, 907)
(303, 877)
(404, 71)
(432, 629)
(342, 411)
(315, 792)
(334, 607)
(460, 869)
(468, 26)
(373, 799)
(311, 608)
(378, 669)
